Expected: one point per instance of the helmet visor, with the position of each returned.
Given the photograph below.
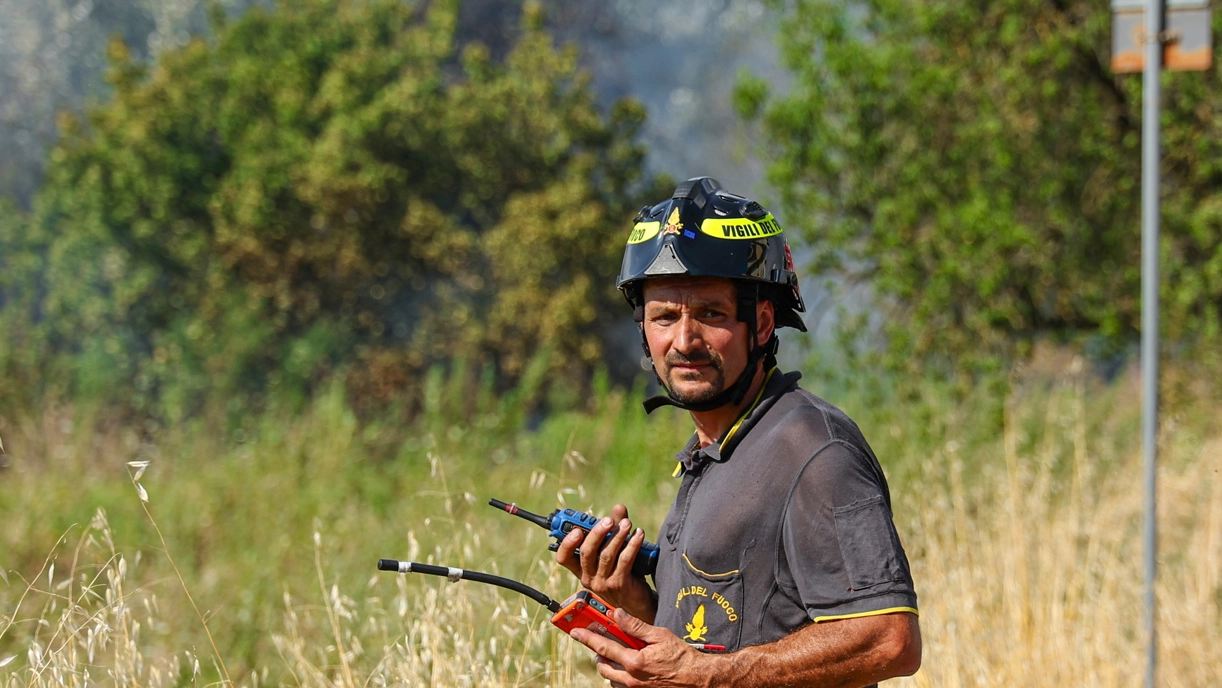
(736, 248)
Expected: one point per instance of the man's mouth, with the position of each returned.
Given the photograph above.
(689, 366)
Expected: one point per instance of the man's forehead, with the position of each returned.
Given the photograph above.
(686, 287)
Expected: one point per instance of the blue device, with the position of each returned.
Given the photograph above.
(562, 521)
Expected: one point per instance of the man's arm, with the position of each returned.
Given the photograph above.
(844, 653)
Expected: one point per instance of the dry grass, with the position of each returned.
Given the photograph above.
(87, 628)
(1030, 573)
(1026, 551)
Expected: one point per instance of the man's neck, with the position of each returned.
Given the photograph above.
(711, 426)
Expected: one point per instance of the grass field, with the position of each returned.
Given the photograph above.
(253, 559)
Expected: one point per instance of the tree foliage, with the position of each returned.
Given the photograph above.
(330, 185)
(979, 165)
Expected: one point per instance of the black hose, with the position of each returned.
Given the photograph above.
(477, 576)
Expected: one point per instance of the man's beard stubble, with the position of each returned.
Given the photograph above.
(701, 396)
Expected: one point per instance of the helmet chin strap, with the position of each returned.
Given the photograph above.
(733, 395)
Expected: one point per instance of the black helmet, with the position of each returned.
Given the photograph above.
(706, 231)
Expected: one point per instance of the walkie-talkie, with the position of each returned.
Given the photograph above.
(562, 521)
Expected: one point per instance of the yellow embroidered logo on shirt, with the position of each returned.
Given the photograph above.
(696, 629)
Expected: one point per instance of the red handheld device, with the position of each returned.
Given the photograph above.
(585, 610)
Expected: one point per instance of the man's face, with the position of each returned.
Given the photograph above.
(695, 337)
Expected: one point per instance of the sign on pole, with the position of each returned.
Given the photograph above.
(1187, 38)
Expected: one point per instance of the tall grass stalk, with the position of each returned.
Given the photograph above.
(140, 467)
(87, 628)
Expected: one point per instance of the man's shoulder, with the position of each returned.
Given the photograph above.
(799, 410)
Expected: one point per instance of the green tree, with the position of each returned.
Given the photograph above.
(332, 185)
(20, 266)
(978, 165)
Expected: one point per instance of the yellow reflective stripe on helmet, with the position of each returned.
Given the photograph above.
(738, 228)
(644, 231)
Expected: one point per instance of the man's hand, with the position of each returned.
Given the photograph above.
(849, 652)
(607, 570)
(665, 661)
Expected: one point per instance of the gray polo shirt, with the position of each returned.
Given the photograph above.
(786, 523)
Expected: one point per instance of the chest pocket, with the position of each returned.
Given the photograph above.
(709, 605)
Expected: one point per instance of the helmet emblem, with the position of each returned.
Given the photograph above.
(672, 223)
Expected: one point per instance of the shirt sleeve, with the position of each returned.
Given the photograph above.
(840, 546)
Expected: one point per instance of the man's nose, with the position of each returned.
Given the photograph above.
(689, 336)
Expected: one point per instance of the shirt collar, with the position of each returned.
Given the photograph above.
(694, 457)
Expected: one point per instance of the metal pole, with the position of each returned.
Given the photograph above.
(1150, 158)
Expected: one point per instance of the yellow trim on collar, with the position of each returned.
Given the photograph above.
(738, 423)
(879, 612)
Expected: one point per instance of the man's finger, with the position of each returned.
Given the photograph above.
(609, 555)
(631, 548)
(612, 672)
(602, 646)
(591, 546)
(633, 626)
(609, 664)
(564, 552)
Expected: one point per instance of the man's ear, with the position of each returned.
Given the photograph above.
(765, 321)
